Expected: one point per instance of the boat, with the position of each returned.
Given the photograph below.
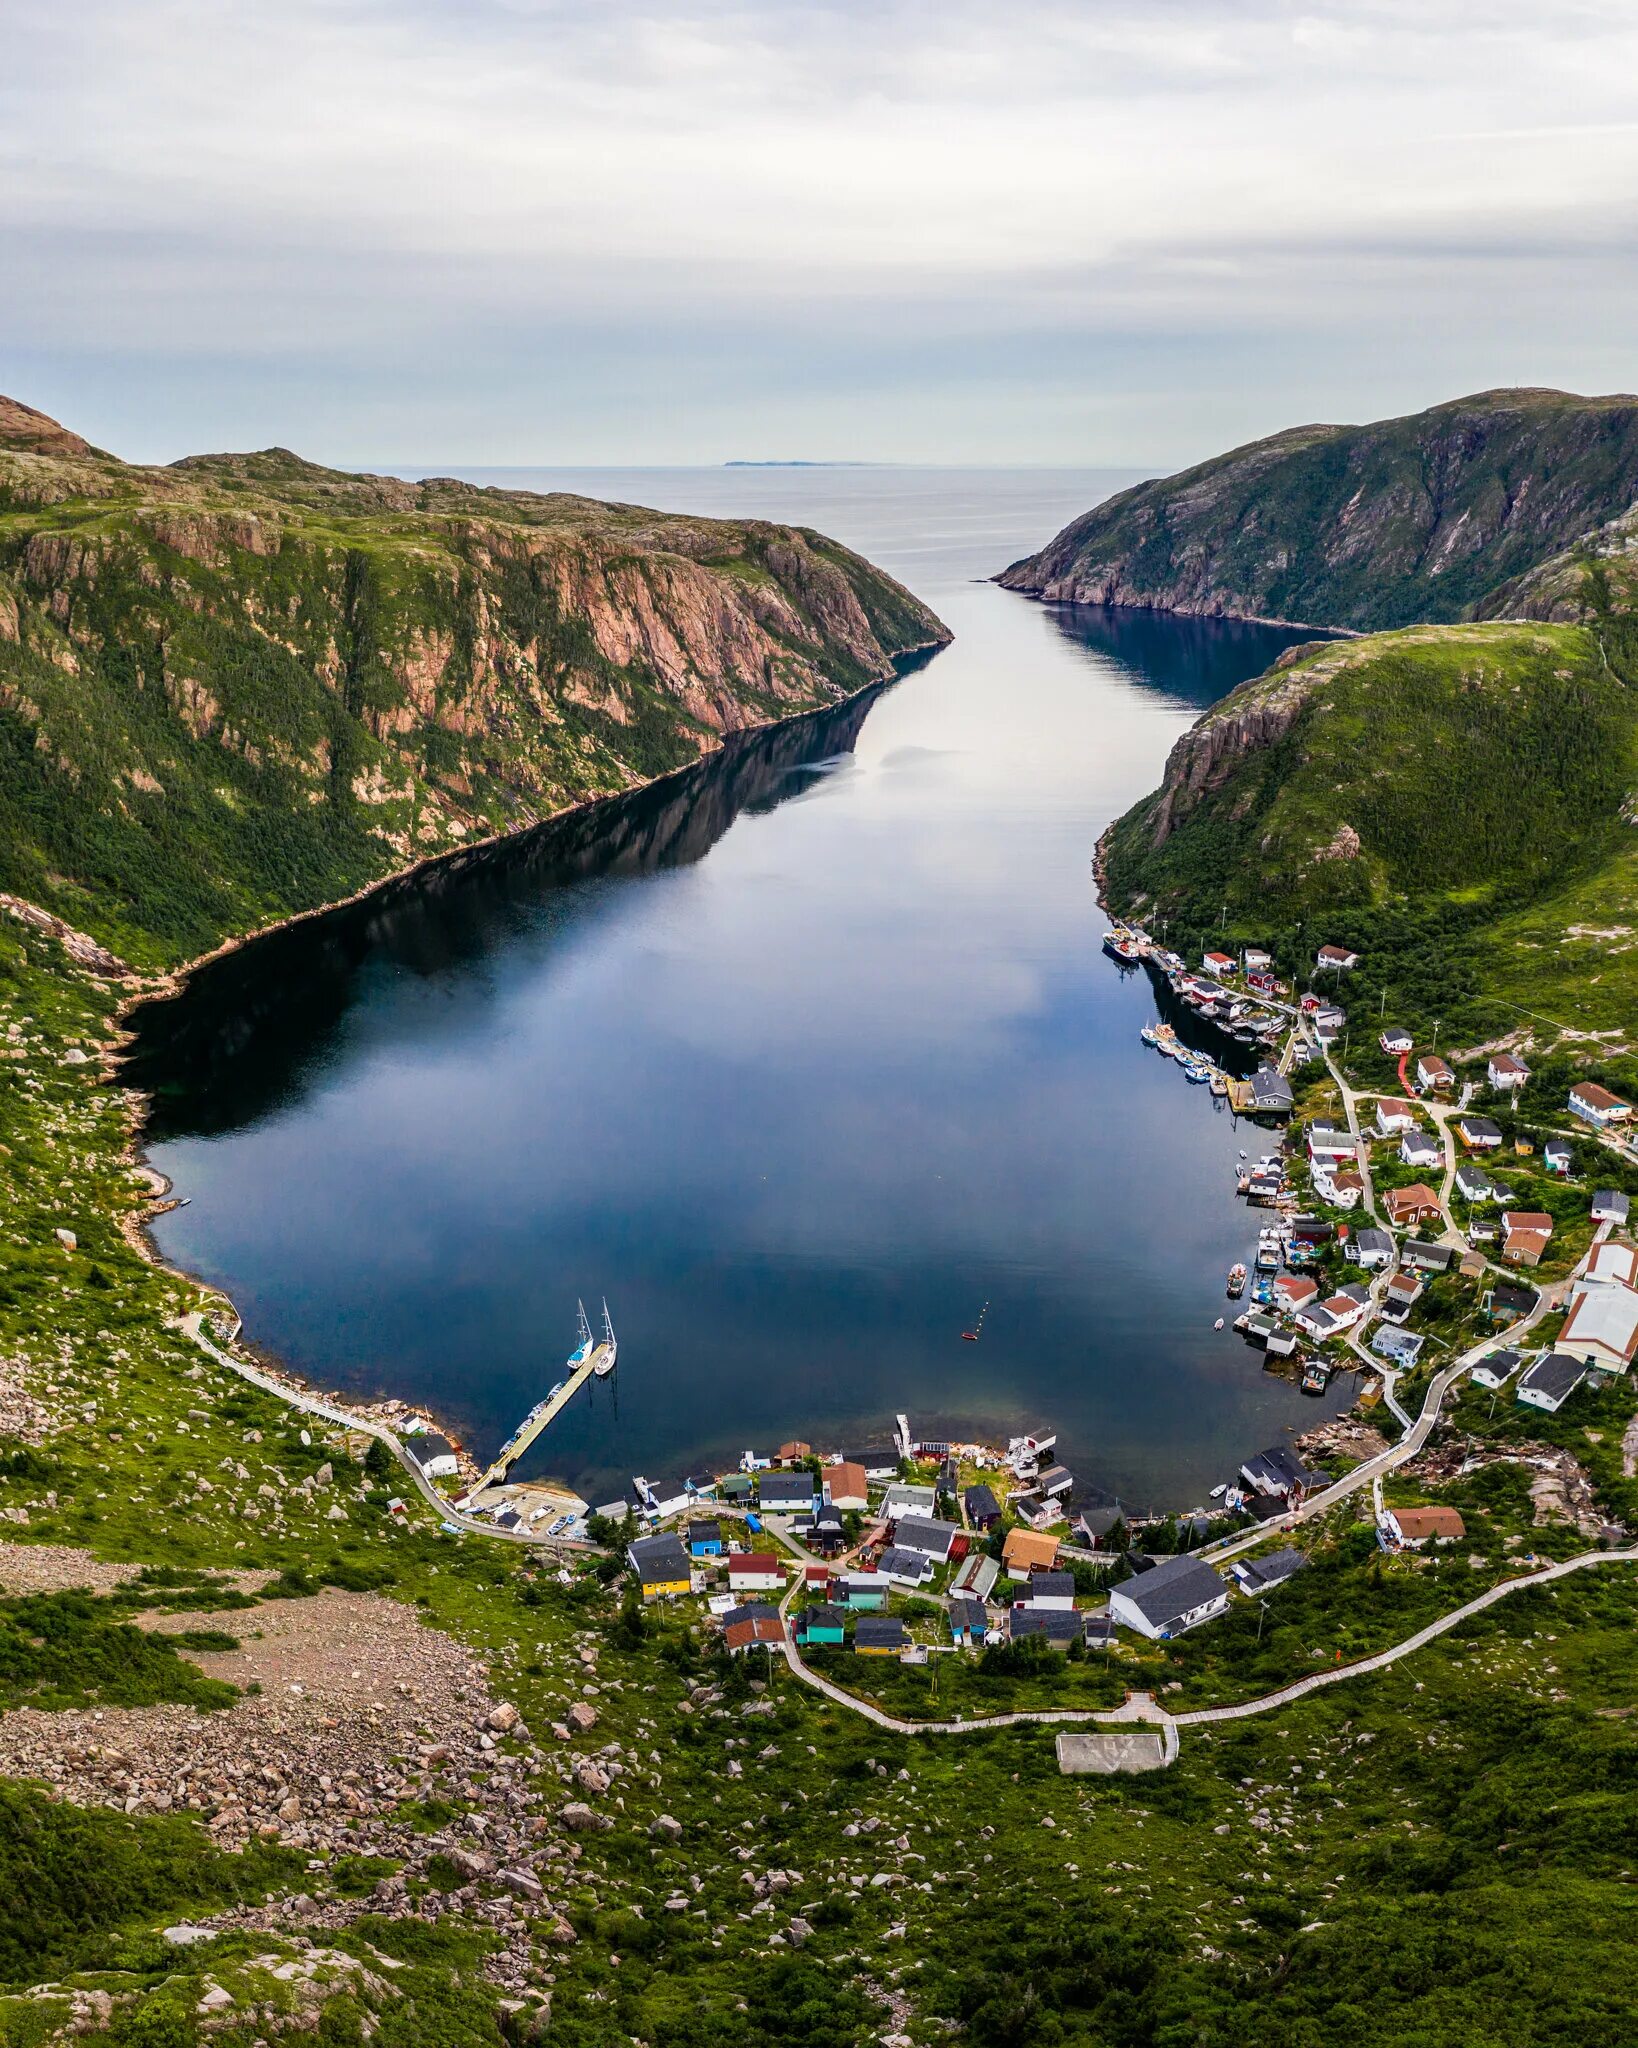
(1148, 1034)
(609, 1349)
(1316, 1376)
(1218, 1324)
(1237, 1279)
(583, 1350)
(1218, 1492)
(972, 1336)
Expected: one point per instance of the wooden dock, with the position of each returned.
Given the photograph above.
(539, 1419)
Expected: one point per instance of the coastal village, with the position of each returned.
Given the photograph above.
(1401, 1231)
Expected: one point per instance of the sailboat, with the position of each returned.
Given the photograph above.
(582, 1351)
(609, 1349)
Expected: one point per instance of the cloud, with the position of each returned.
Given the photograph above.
(515, 229)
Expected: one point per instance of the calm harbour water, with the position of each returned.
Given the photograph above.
(799, 1060)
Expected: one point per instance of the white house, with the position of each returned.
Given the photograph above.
(1394, 1115)
(1551, 1381)
(920, 1532)
(1507, 1073)
(751, 1572)
(1418, 1148)
(433, 1453)
(1596, 1105)
(1371, 1248)
(1047, 1589)
(1479, 1133)
(1395, 1041)
(903, 1498)
(1257, 960)
(903, 1566)
(1496, 1368)
(1175, 1595)
(1433, 1072)
(1217, 963)
(1609, 1205)
(1602, 1328)
(1335, 957)
(1475, 1186)
(1331, 1141)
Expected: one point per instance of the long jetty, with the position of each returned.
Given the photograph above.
(537, 1422)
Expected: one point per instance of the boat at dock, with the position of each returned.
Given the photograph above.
(1316, 1376)
(1237, 1280)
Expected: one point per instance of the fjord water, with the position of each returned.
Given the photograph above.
(800, 1059)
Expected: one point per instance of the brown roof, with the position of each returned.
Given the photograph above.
(1505, 1063)
(751, 1561)
(845, 1479)
(1028, 1548)
(1415, 1523)
(1433, 1064)
(1598, 1097)
(1525, 1247)
(1346, 1179)
(762, 1629)
(1296, 1287)
(797, 1450)
(1417, 1199)
(1528, 1219)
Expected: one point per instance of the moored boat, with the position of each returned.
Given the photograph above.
(1237, 1279)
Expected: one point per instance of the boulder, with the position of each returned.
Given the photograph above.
(583, 1819)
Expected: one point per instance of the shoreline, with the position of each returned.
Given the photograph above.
(1172, 611)
(134, 1225)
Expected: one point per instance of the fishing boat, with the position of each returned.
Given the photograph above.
(1149, 1033)
(1237, 1280)
(1118, 943)
(1219, 1081)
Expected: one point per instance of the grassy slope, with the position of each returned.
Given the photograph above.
(1408, 519)
(1488, 772)
(247, 685)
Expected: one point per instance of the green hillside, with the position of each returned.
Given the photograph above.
(1455, 803)
(245, 684)
(1364, 527)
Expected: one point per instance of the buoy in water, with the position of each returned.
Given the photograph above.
(972, 1336)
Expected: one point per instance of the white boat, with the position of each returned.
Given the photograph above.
(579, 1356)
(609, 1349)
(1218, 1492)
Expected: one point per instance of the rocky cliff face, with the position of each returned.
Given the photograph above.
(276, 681)
(1358, 527)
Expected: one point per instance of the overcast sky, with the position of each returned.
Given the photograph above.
(518, 231)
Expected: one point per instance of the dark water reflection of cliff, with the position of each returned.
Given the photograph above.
(798, 1058)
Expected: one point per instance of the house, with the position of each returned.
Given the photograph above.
(975, 1578)
(1506, 1074)
(1556, 1156)
(434, 1454)
(901, 1567)
(1339, 958)
(1256, 959)
(879, 1461)
(1551, 1381)
(1270, 1093)
(1056, 1626)
(1371, 1248)
(1479, 1134)
(1480, 1230)
(1343, 1189)
(1473, 1266)
(1602, 1328)
(1425, 1257)
(1399, 1347)
(1414, 1528)
(792, 1453)
(1217, 964)
(1496, 1368)
(825, 1530)
(1293, 1291)
(969, 1623)
(1328, 1021)
(1098, 1526)
(1506, 1304)
(1317, 1320)
(1177, 1594)
(704, 1538)
(879, 1635)
(1609, 1205)
(754, 1572)
(1046, 1589)
(983, 1509)
(1025, 1551)
(1259, 1575)
(1032, 1446)
(1420, 1148)
(1400, 1296)
(662, 1498)
(863, 1589)
(1394, 1115)
(1338, 1312)
(1055, 1481)
(1597, 1106)
(1525, 1233)
(1610, 1265)
(845, 1487)
(661, 1565)
(788, 1493)
(1037, 1511)
(1396, 1041)
(1311, 1231)
(1415, 1204)
(938, 1540)
(739, 1487)
(1474, 1186)
(1279, 1471)
(1433, 1072)
(1331, 1141)
(821, 1626)
(1099, 1630)
(904, 1498)
(766, 1633)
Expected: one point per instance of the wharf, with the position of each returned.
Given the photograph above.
(540, 1418)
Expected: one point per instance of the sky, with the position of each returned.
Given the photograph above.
(586, 231)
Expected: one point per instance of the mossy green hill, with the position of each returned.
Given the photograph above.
(1432, 517)
(245, 685)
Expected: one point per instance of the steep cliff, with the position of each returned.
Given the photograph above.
(245, 684)
(1367, 527)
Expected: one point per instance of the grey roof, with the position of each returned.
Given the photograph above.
(1372, 1240)
(659, 1557)
(1271, 1090)
(909, 1564)
(822, 1617)
(1480, 1127)
(1435, 1257)
(1500, 1365)
(1280, 1463)
(1521, 1300)
(918, 1532)
(879, 1631)
(1260, 1573)
(793, 1486)
(1057, 1624)
(981, 1501)
(706, 1531)
(751, 1610)
(1098, 1522)
(1099, 1628)
(968, 1614)
(424, 1445)
(1613, 1202)
(1389, 1341)
(1049, 1586)
(1555, 1375)
(1172, 1589)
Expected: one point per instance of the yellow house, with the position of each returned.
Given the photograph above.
(662, 1566)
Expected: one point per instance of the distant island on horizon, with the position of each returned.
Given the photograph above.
(778, 462)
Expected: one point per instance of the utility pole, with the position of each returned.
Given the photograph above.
(1262, 1616)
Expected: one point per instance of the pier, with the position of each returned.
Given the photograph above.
(539, 1419)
